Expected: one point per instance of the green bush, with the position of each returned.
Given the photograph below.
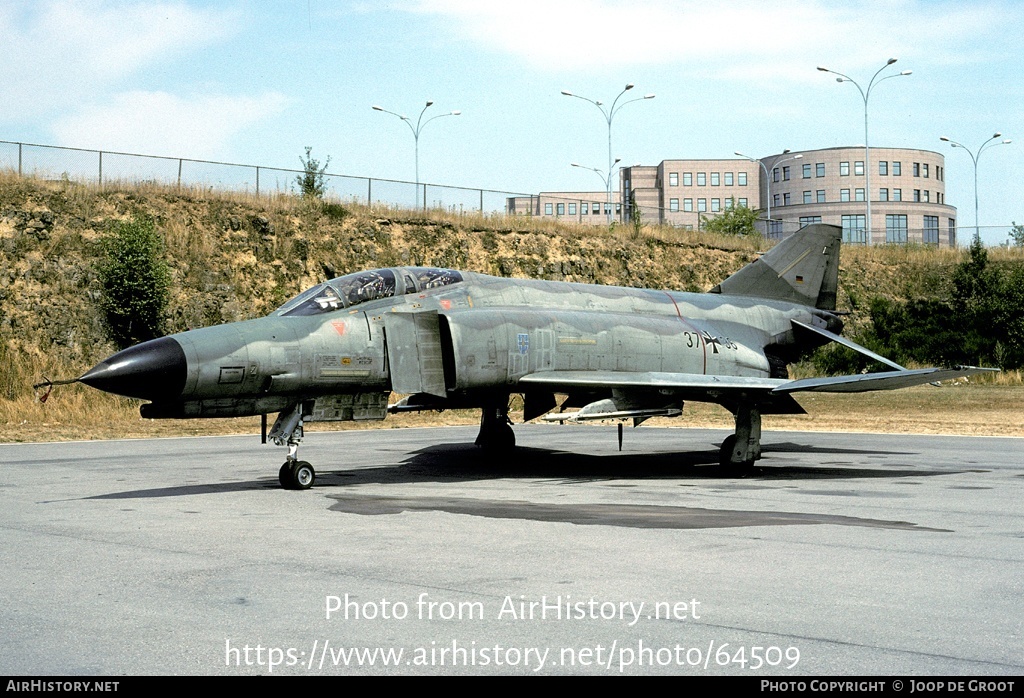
(312, 182)
(136, 282)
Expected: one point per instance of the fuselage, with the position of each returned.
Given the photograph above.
(489, 332)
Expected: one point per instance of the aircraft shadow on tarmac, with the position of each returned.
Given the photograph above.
(445, 463)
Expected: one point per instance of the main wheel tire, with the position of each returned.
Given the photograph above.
(303, 475)
(725, 458)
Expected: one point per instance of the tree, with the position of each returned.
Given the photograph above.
(136, 282)
(1017, 234)
(312, 182)
(735, 220)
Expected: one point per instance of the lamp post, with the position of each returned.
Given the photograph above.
(768, 180)
(606, 180)
(865, 94)
(609, 114)
(420, 124)
(974, 158)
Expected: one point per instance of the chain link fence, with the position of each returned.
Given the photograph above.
(105, 167)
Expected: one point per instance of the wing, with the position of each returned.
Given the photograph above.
(646, 394)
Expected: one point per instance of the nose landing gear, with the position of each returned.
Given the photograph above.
(295, 474)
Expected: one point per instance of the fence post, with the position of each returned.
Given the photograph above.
(369, 191)
(19, 159)
(179, 173)
(101, 168)
(257, 180)
(481, 202)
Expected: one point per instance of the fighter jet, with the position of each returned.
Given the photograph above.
(454, 339)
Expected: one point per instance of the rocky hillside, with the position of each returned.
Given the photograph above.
(237, 256)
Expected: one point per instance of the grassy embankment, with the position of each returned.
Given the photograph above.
(235, 256)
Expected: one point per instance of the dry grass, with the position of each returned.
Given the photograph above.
(77, 413)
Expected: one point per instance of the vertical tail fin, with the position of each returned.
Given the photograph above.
(803, 268)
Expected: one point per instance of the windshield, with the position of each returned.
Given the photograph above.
(360, 287)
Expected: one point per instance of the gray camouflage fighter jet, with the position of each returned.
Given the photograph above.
(451, 339)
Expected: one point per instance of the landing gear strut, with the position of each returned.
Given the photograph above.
(496, 433)
(295, 474)
(740, 450)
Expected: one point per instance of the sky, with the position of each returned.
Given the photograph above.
(258, 81)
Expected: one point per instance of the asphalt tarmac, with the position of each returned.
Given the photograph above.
(842, 554)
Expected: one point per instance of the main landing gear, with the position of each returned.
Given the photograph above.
(295, 474)
(740, 450)
(496, 435)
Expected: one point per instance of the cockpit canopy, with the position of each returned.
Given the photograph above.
(360, 287)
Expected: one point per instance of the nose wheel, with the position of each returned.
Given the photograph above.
(296, 475)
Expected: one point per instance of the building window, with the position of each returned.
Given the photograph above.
(741, 179)
(917, 195)
(728, 179)
(895, 227)
(595, 209)
(897, 168)
(688, 205)
(917, 169)
(897, 195)
(560, 209)
(844, 169)
(728, 203)
(924, 170)
(572, 209)
(807, 171)
(673, 205)
(883, 168)
(883, 194)
(775, 199)
(673, 179)
(808, 197)
(858, 194)
(853, 229)
(819, 169)
(844, 194)
(687, 179)
(743, 203)
(785, 199)
(858, 168)
(809, 220)
(927, 196)
(820, 195)
(584, 211)
(931, 230)
(951, 231)
(785, 173)
(716, 205)
(702, 205)
(775, 174)
(549, 209)
(775, 229)
(715, 179)
(702, 179)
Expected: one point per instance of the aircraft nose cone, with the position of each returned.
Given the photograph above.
(154, 370)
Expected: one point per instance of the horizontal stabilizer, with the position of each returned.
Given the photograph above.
(889, 380)
(848, 344)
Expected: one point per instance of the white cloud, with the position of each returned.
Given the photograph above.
(158, 123)
(61, 51)
(718, 37)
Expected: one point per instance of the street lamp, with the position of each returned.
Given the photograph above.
(606, 180)
(974, 157)
(609, 114)
(768, 180)
(865, 94)
(420, 124)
